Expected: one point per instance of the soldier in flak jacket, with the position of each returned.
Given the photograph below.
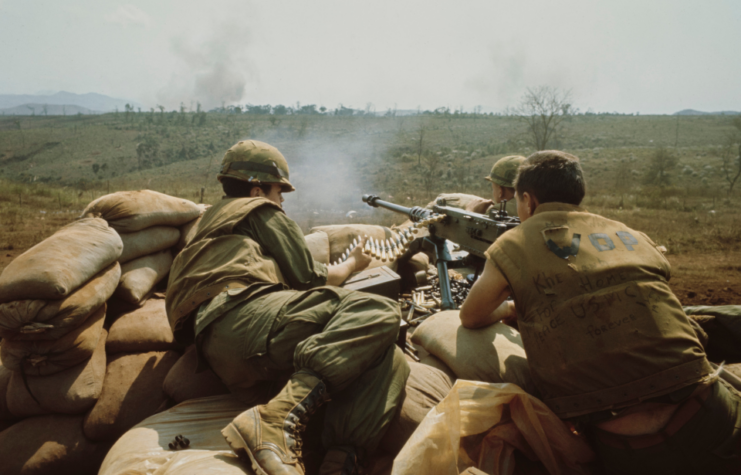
(271, 324)
(609, 346)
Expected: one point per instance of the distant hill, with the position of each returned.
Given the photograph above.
(91, 101)
(696, 112)
(51, 109)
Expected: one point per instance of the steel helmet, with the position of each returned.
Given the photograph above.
(503, 172)
(256, 162)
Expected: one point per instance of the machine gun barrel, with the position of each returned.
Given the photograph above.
(415, 214)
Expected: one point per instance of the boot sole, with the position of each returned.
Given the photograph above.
(239, 446)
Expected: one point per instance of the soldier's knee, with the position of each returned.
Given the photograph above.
(389, 312)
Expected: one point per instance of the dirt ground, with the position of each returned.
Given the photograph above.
(707, 279)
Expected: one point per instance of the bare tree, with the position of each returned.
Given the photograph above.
(731, 166)
(544, 109)
(420, 144)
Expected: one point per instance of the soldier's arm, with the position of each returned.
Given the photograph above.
(486, 302)
(356, 262)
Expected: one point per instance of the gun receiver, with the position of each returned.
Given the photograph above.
(473, 232)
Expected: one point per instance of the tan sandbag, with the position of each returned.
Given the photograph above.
(138, 277)
(148, 241)
(183, 383)
(435, 362)
(318, 243)
(419, 262)
(72, 391)
(341, 236)
(51, 319)
(60, 264)
(144, 449)
(507, 419)
(425, 388)
(132, 391)
(144, 329)
(48, 445)
(456, 200)
(129, 211)
(5, 375)
(45, 357)
(493, 354)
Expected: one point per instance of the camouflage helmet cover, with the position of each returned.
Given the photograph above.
(256, 162)
(504, 171)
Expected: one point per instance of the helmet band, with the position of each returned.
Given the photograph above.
(255, 167)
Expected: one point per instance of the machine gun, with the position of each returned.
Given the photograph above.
(472, 232)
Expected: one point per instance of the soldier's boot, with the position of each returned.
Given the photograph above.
(341, 461)
(269, 437)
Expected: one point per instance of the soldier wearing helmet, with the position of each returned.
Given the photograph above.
(502, 178)
(271, 324)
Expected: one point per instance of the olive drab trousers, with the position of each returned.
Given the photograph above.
(346, 337)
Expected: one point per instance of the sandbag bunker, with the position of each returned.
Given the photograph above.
(93, 381)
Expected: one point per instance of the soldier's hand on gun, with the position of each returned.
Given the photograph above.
(361, 259)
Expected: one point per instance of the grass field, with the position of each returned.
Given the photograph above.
(61, 163)
(51, 167)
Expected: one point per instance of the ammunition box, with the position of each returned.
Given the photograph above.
(379, 280)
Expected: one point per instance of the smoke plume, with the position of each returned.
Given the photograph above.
(212, 72)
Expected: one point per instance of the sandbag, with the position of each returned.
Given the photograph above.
(456, 200)
(341, 236)
(60, 264)
(438, 446)
(147, 241)
(425, 388)
(143, 449)
(183, 383)
(144, 329)
(47, 445)
(132, 391)
(129, 211)
(51, 319)
(318, 243)
(5, 375)
(138, 277)
(493, 354)
(72, 391)
(45, 357)
(437, 363)
(724, 331)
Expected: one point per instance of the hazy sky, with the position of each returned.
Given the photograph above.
(652, 56)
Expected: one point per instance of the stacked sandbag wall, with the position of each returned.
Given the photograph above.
(85, 330)
(52, 355)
